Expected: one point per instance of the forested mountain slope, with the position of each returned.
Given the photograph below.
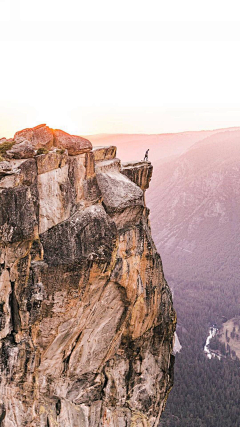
(195, 205)
(194, 199)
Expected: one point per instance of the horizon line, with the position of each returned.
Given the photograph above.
(164, 133)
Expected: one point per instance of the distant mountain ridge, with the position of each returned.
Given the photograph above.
(133, 146)
(193, 196)
(195, 205)
(194, 200)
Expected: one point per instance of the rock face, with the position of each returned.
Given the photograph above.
(138, 172)
(86, 316)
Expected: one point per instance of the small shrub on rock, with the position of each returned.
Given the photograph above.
(42, 150)
(5, 146)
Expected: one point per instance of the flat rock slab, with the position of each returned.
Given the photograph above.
(55, 197)
(113, 165)
(134, 163)
(118, 191)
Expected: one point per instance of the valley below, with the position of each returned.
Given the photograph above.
(207, 350)
(194, 200)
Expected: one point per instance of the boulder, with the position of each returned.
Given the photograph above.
(39, 137)
(74, 144)
(23, 150)
(118, 192)
(122, 199)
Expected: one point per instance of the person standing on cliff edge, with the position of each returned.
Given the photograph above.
(146, 156)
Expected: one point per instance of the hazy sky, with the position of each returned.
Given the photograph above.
(119, 66)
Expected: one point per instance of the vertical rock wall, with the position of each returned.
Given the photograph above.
(86, 316)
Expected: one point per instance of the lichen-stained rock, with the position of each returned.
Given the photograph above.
(86, 316)
(74, 144)
(88, 234)
(17, 215)
(21, 172)
(50, 161)
(7, 168)
(23, 150)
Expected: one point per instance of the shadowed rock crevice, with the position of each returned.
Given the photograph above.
(66, 359)
(2, 413)
(13, 302)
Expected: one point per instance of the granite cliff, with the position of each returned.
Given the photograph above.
(86, 316)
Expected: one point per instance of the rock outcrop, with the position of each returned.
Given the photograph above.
(86, 316)
(138, 172)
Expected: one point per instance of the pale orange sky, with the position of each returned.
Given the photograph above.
(89, 69)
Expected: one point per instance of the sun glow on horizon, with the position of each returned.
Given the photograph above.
(116, 77)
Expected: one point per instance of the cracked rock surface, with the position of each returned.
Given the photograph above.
(86, 315)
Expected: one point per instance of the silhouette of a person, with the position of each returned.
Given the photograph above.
(146, 156)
